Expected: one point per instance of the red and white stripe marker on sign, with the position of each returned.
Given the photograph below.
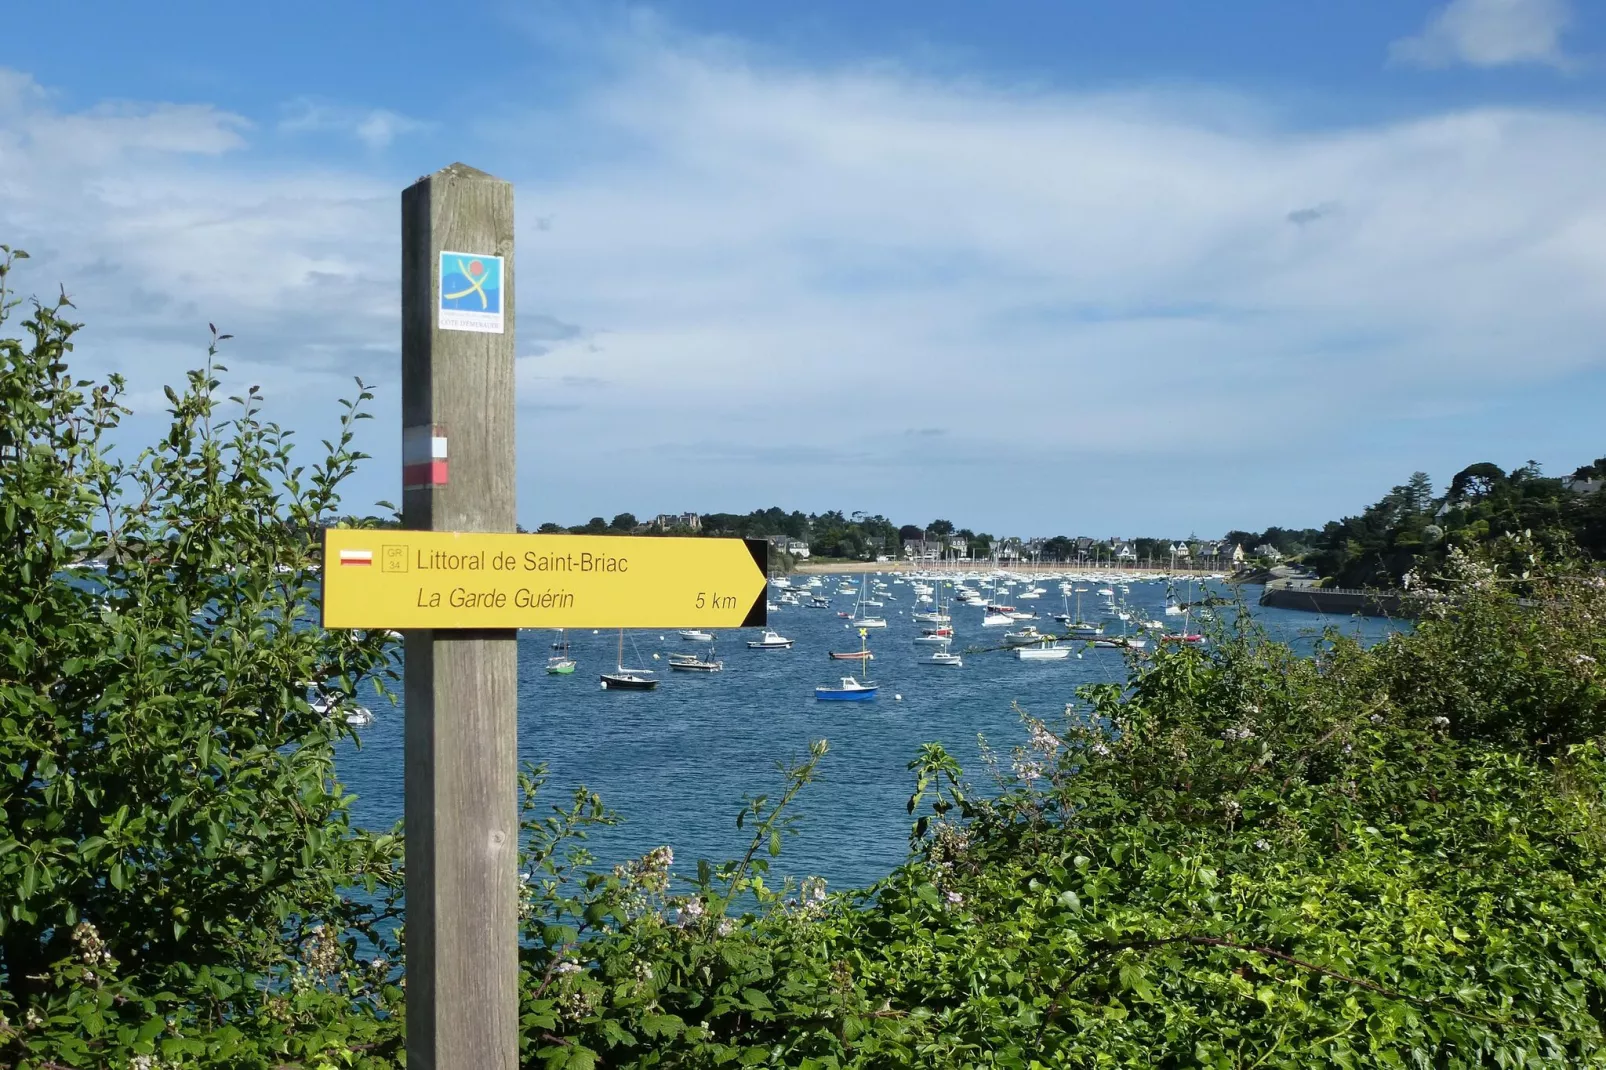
(356, 557)
(423, 457)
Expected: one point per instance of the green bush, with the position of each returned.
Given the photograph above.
(1242, 857)
(175, 857)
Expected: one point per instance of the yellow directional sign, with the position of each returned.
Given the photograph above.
(385, 578)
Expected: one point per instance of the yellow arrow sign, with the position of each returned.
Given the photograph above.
(385, 578)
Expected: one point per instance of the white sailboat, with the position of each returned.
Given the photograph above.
(861, 617)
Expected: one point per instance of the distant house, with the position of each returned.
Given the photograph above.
(689, 521)
(1235, 556)
(1125, 552)
(958, 546)
(797, 548)
(1586, 486)
(1269, 552)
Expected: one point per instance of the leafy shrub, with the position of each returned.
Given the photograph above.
(1241, 857)
(175, 856)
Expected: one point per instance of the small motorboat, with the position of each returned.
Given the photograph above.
(695, 636)
(852, 655)
(1118, 641)
(870, 622)
(693, 663)
(997, 620)
(943, 658)
(329, 705)
(770, 640)
(933, 639)
(849, 690)
(1025, 637)
(1044, 651)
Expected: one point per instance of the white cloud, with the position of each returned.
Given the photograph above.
(752, 281)
(1489, 33)
(151, 218)
(376, 128)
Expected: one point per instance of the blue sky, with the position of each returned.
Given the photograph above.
(1143, 267)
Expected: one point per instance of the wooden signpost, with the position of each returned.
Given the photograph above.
(459, 585)
(461, 686)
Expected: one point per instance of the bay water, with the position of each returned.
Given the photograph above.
(677, 762)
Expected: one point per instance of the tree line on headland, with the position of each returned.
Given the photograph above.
(1408, 533)
(859, 536)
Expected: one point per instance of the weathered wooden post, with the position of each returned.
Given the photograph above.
(461, 686)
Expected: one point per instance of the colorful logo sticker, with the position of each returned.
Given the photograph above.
(471, 293)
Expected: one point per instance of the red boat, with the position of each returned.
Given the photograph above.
(1182, 637)
(944, 630)
(852, 655)
(1000, 609)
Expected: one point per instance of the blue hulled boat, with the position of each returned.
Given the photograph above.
(850, 690)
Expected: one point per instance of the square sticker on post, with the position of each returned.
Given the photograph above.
(471, 293)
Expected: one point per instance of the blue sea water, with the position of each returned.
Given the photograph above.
(677, 762)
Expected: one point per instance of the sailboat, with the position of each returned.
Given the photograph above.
(560, 664)
(627, 679)
(861, 618)
(1076, 627)
(935, 616)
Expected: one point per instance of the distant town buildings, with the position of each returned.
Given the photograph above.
(796, 547)
(689, 521)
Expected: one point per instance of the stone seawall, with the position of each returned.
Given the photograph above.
(1336, 601)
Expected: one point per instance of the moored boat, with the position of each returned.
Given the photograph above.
(560, 664)
(770, 640)
(623, 679)
(849, 690)
(693, 663)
